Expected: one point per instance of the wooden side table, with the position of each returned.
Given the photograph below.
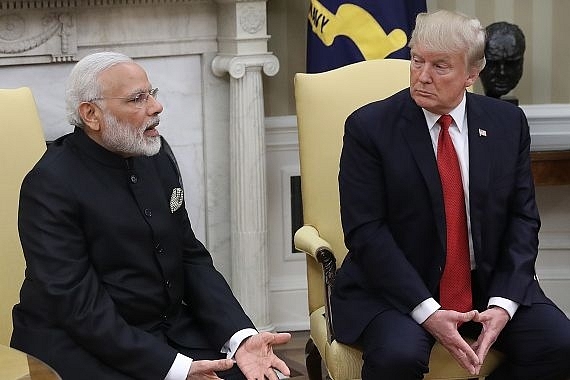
(551, 167)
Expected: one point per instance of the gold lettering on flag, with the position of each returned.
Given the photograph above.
(357, 24)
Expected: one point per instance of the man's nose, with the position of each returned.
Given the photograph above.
(425, 75)
(154, 106)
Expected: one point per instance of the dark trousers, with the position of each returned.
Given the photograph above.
(78, 364)
(536, 343)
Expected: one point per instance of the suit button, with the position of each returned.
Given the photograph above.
(148, 212)
(167, 284)
(158, 249)
(134, 178)
(164, 317)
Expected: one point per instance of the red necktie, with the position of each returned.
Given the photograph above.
(455, 284)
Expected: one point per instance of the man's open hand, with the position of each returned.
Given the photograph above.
(256, 359)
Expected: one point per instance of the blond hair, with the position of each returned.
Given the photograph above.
(451, 32)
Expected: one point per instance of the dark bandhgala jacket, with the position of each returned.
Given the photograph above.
(393, 214)
(114, 272)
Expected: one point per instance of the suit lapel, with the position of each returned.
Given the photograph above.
(480, 129)
(418, 138)
(480, 133)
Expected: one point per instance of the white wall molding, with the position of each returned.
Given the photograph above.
(287, 172)
(294, 282)
(56, 4)
(549, 126)
(281, 133)
(288, 285)
(289, 309)
(49, 31)
(554, 241)
(553, 267)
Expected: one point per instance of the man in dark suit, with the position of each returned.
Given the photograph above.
(393, 295)
(117, 286)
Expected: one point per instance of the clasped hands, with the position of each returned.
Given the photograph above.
(254, 357)
(443, 325)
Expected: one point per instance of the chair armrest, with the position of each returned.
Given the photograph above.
(307, 239)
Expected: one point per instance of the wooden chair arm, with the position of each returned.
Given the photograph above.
(307, 239)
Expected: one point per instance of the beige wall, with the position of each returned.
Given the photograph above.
(544, 23)
(287, 25)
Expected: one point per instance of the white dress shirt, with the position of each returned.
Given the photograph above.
(182, 363)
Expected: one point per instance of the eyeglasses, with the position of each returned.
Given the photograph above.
(139, 100)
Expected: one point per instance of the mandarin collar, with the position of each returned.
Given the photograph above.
(93, 150)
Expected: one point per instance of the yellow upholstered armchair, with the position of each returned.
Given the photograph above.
(22, 144)
(323, 102)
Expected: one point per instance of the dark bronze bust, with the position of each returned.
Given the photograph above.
(504, 53)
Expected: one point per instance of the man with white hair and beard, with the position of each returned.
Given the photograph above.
(117, 286)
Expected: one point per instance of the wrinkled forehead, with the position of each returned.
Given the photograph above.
(439, 54)
(123, 77)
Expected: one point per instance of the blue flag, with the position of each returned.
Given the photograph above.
(341, 32)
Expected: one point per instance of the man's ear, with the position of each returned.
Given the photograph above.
(91, 115)
(473, 75)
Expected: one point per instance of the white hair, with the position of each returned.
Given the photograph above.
(451, 32)
(83, 84)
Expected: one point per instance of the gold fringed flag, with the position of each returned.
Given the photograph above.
(341, 32)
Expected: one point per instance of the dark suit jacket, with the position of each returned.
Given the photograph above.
(393, 214)
(112, 274)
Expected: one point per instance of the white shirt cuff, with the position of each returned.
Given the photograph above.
(180, 368)
(510, 306)
(232, 345)
(424, 310)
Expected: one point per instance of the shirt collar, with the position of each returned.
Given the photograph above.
(458, 115)
(89, 147)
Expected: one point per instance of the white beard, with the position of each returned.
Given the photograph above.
(126, 139)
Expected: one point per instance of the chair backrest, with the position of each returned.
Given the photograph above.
(323, 102)
(21, 146)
